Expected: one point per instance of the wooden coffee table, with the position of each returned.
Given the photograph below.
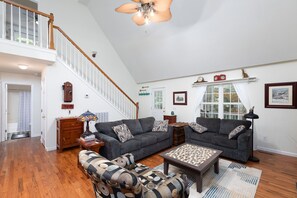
(194, 158)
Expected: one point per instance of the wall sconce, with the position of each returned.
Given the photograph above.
(94, 53)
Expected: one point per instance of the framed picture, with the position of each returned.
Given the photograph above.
(180, 98)
(281, 95)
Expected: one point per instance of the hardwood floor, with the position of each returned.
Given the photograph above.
(27, 170)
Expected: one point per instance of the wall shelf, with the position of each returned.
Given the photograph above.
(249, 79)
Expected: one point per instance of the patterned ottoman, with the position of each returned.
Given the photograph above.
(194, 158)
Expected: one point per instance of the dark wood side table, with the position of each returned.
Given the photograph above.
(171, 118)
(92, 145)
(178, 132)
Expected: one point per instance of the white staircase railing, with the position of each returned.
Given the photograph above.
(80, 63)
(25, 25)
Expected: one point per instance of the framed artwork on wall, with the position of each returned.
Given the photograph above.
(281, 95)
(180, 98)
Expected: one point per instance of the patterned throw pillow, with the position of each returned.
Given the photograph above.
(161, 125)
(197, 127)
(236, 132)
(122, 132)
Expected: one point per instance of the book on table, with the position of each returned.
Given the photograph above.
(89, 138)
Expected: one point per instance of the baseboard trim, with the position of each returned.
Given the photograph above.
(277, 151)
(50, 148)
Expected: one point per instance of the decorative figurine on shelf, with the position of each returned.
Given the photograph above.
(244, 75)
(200, 79)
(216, 78)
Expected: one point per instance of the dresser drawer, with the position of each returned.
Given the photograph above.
(69, 124)
(68, 131)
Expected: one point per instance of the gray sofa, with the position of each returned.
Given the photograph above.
(144, 143)
(217, 137)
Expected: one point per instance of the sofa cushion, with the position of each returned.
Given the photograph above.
(228, 125)
(236, 132)
(197, 127)
(146, 139)
(147, 124)
(123, 132)
(203, 137)
(130, 145)
(161, 125)
(134, 126)
(105, 128)
(212, 124)
(223, 140)
(160, 136)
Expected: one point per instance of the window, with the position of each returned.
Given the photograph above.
(221, 101)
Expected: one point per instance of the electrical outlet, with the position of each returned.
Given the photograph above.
(265, 138)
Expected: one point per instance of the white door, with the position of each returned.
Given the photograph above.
(43, 112)
(158, 103)
(5, 130)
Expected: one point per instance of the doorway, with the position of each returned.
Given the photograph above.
(158, 103)
(18, 111)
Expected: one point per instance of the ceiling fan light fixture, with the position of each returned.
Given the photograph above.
(147, 20)
(146, 11)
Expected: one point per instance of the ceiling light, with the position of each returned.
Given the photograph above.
(23, 67)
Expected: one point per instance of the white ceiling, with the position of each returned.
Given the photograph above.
(202, 36)
(9, 63)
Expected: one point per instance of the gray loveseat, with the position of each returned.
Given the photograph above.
(144, 143)
(217, 137)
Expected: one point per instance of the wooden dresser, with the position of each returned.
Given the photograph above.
(68, 130)
(171, 118)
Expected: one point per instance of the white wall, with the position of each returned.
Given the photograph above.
(75, 19)
(275, 131)
(54, 77)
(34, 82)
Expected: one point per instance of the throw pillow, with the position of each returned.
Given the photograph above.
(122, 132)
(236, 132)
(161, 125)
(197, 127)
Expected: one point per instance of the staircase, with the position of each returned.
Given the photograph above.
(25, 25)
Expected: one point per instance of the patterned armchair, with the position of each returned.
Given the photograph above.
(122, 177)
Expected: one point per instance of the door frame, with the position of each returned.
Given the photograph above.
(5, 107)
(163, 88)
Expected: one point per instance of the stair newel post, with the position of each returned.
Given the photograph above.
(51, 31)
(137, 109)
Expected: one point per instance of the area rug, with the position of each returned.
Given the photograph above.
(234, 180)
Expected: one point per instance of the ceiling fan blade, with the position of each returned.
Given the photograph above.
(161, 16)
(139, 20)
(127, 8)
(162, 5)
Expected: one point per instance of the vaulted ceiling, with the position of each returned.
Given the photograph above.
(203, 36)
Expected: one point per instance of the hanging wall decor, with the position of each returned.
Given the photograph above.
(281, 95)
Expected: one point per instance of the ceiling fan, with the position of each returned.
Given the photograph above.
(146, 11)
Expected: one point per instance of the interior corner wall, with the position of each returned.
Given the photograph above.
(54, 77)
(275, 131)
(22, 79)
(76, 20)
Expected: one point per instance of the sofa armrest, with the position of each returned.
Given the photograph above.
(125, 161)
(170, 131)
(188, 130)
(177, 185)
(111, 148)
(244, 140)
